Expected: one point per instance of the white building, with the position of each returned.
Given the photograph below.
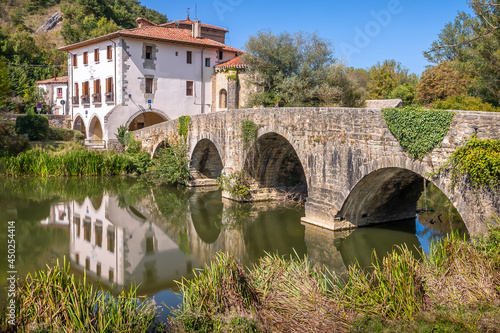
(56, 90)
(142, 76)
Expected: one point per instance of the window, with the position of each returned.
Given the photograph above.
(149, 52)
(76, 221)
(207, 62)
(97, 91)
(75, 94)
(149, 85)
(111, 275)
(98, 234)
(111, 240)
(87, 263)
(85, 92)
(98, 269)
(189, 88)
(109, 89)
(75, 60)
(85, 58)
(109, 52)
(77, 258)
(176, 54)
(221, 55)
(86, 230)
(189, 57)
(96, 55)
(59, 92)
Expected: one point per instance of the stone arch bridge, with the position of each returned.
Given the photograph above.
(346, 162)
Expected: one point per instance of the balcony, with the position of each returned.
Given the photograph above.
(85, 99)
(109, 97)
(96, 98)
(74, 100)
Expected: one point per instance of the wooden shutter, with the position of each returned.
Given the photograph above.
(109, 50)
(76, 90)
(96, 55)
(75, 60)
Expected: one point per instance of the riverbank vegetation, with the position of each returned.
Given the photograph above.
(456, 287)
(54, 300)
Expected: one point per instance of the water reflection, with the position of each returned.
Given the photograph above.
(124, 231)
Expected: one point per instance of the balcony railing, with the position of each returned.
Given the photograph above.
(96, 98)
(74, 100)
(109, 97)
(85, 99)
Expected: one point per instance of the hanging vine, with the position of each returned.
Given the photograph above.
(418, 131)
(249, 133)
(183, 126)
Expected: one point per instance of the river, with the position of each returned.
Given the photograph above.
(123, 231)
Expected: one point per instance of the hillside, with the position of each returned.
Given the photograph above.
(27, 56)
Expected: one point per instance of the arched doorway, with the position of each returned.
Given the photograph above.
(223, 99)
(145, 119)
(79, 125)
(274, 163)
(95, 129)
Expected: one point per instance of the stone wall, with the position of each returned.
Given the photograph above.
(337, 149)
(60, 121)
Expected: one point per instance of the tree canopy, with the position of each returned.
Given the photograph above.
(297, 69)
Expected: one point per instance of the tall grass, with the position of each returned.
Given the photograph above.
(55, 301)
(457, 285)
(74, 162)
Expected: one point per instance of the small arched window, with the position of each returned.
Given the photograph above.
(222, 99)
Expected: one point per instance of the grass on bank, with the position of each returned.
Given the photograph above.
(456, 287)
(54, 300)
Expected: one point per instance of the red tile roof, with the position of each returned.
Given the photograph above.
(188, 21)
(236, 62)
(157, 33)
(62, 79)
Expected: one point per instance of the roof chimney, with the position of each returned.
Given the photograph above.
(142, 22)
(196, 29)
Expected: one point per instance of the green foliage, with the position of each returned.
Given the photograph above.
(62, 134)
(386, 76)
(464, 102)
(249, 133)
(5, 89)
(122, 131)
(54, 300)
(405, 92)
(296, 70)
(183, 126)
(478, 160)
(139, 160)
(235, 183)
(35, 126)
(75, 162)
(441, 82)
(11, 143)
(418, 131)
(171, 166)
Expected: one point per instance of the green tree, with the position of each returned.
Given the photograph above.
(386, 76)
(296, 70)
(5, 89)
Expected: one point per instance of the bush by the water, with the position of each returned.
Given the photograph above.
(54, 300)
(171, 166)
(34, 125)
(11, 143)
(456, 287)
(75, 162)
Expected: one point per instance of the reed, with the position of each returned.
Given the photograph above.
(53, 300)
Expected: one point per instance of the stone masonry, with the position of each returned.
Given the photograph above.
(355, 171)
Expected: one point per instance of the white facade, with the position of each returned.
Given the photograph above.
(153, 80)
(56, 91)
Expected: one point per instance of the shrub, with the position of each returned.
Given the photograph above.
(121, 135)
(35, 126)
(463, 102)
(183, 126)
(171, 167)
(11, 143)
(61, 134)
(235, 183)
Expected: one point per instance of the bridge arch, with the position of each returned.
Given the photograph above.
(273, 162)
(206, 160)
(145, 118)
(387, 190)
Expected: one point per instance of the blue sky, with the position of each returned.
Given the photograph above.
(362, 32)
